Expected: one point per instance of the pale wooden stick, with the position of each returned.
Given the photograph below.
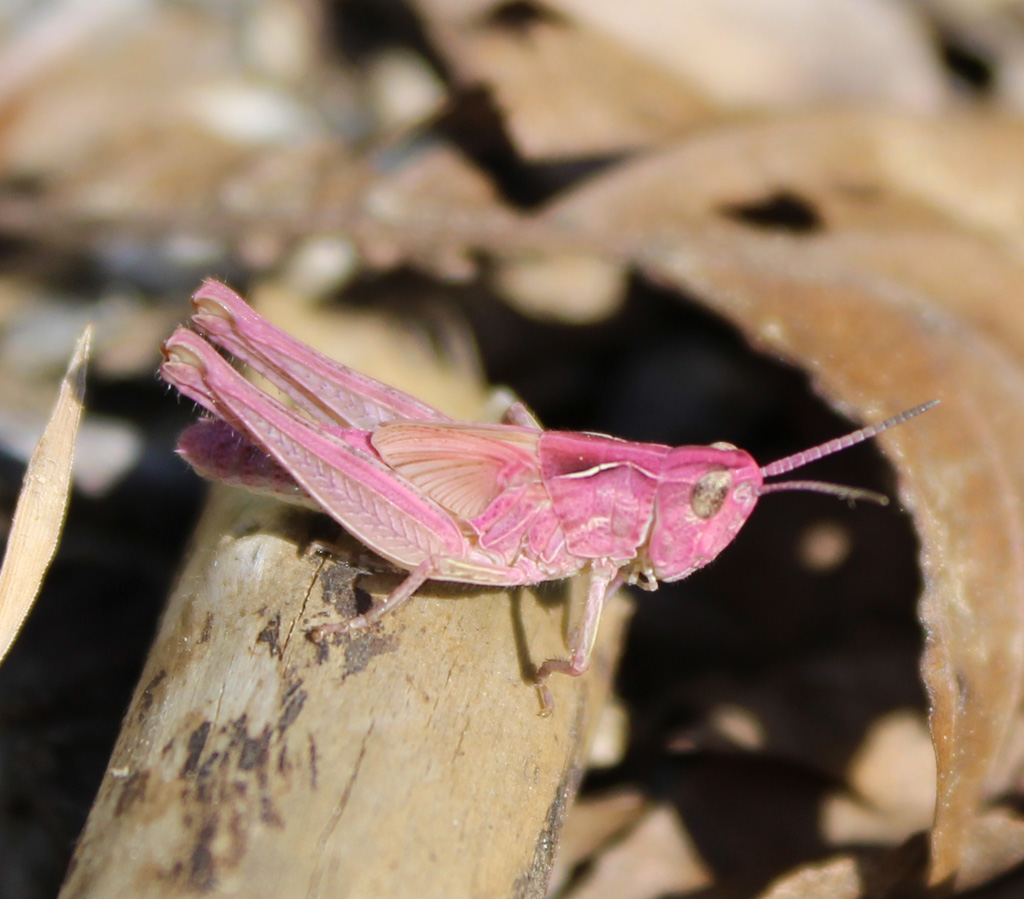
(406, 760)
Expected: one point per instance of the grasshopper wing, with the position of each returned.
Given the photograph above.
(463, 467)
(381, 508)
(219, 452)
(327, 391)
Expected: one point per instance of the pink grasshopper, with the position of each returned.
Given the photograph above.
(491, 504)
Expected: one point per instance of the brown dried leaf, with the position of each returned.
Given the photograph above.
(992, 34)
(575, 288)
(189, 125)
(592, 822)
(752, 53)
(844, 170)
(992, 848)
(837, 325)
(871, 330)
(656, 858)
(748, 53)
(864, 875)
(837, 878)
(567, 91)
(968, 274)
(892, 785)
(166, 53)
(432, 209)
(404, 89)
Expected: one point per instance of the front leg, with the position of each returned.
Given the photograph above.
(604, 581)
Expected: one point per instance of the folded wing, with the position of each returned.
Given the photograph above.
(462, 467)
(384, 511)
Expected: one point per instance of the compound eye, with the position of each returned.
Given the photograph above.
(709, 493)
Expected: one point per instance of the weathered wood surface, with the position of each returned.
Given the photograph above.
(409, 757)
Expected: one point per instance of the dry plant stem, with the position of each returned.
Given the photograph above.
(43, 502)
(255, 762)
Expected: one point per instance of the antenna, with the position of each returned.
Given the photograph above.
(852, 494)
(798, 460)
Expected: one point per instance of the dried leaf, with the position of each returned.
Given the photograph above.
(872, 333)
(801, 174)
(745, 53)
(42, 504)
(863, 875)
(567, 91)
(163, 53)
(749, 53)
(837, 324)
(404, 88)
(993, 848)
(656, 858)
(577, 289)
(892, 780)
(593, 822)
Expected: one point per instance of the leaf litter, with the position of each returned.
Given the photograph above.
(572, 158)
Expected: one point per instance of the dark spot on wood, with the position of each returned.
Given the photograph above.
(147, 698)
(252, 751)
(207, 633)
(364, 646)
(363, 600)
(293, 701)
(339, 586)
(202, 875)
(196, 743)
(323, 653)
(783, 210)
(271, 635)
(237, 829)
(268, 814)
(204, 791)
(133, 789)
(312, 762)
(254, 756)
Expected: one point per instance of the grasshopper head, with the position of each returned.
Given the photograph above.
(705, 495)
